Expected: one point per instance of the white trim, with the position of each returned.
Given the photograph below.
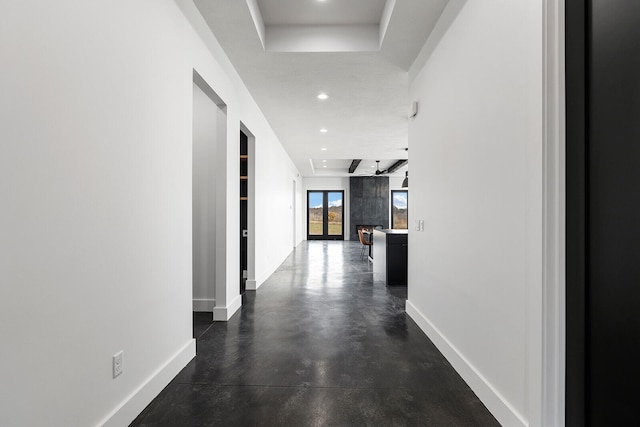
(385, 19)
(251, 208)
(203, 304)
(552, 410)
(135, 403)
(258, 21)
(264, 276)
(493, 400)
(225, 313)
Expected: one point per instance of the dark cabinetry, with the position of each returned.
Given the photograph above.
(390, 256)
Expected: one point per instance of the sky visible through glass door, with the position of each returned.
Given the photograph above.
(315, 199)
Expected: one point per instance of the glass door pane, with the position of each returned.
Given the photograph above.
(334, 215)
(399, 215)
(316, 213)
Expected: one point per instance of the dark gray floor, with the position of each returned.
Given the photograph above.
(319, 344)
(201, 323)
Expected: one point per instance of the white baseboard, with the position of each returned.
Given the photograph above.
(224, 313)
(494, 401)
(265, 274)
(203, 304)
(133, 405)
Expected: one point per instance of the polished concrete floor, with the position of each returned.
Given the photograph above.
(319, 344)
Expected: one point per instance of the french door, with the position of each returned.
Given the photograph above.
(325, 215)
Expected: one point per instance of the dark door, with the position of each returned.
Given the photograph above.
(325, 215)
(603, 212)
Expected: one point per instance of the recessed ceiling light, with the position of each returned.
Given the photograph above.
(324, 166)
(323, 96)
(324, 161)
(324, 130)
(324, 148)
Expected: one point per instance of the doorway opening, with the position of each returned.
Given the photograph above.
(209, 124)
(247, 210)
(244, 209)
(325, 214)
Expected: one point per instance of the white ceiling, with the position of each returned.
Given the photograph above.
(335, 12)
(339, 167)
(366, 113)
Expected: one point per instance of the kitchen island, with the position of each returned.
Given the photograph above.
(390, 256)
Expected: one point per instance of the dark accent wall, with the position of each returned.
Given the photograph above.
(368, 202)
(576, 214)
(603, 207)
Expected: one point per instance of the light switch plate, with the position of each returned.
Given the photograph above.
(117, 364)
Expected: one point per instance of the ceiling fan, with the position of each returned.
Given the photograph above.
(398, 164)
(378, 171)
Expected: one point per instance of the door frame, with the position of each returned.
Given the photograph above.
(547, 392)
(251, 283)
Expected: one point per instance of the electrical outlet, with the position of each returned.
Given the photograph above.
(117, 364)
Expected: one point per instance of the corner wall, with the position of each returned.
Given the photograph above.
(476, 280)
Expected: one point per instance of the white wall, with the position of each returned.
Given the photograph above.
(96, 189)
(274, 172)
(475, 280)
(274, 186)
(326, 183)
(395, 183)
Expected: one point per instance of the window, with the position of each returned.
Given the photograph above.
(399, 205)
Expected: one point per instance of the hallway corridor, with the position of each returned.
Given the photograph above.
(319, 344)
